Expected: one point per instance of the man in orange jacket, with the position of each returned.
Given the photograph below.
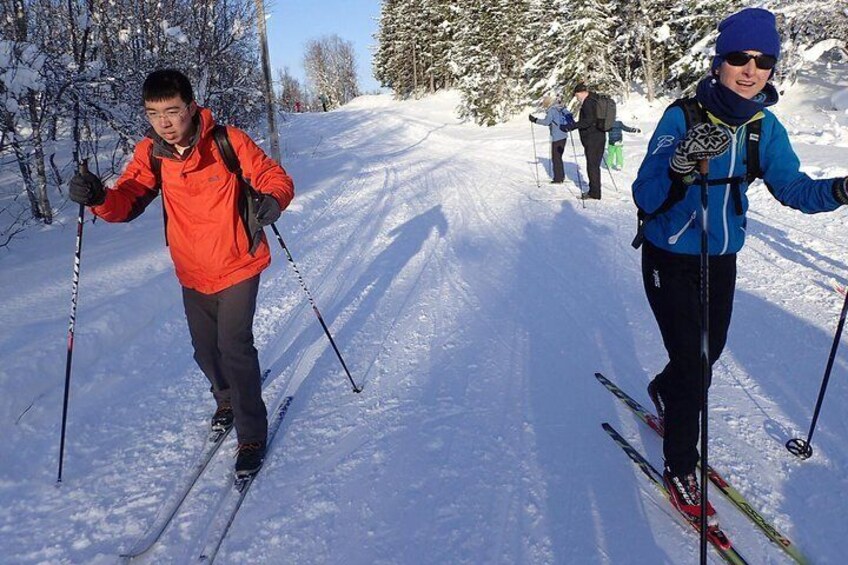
(218, 251)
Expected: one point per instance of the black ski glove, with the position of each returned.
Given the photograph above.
(267, 209)
(533, 118)
(86, 189)
(703, 141)
(840, 190)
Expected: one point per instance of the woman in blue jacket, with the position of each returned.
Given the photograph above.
(733, 102)
(554, 117)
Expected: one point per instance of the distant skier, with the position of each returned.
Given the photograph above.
(729, 125)
(324, 101)
(591, 136)
(615, 149)
(555, 115)
(217, 248)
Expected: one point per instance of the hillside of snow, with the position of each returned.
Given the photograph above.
(473, 306)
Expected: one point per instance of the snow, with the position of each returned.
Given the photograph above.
(474, 311)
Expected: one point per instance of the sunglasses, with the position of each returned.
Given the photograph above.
(740, 59)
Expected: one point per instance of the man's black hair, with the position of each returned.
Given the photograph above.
(166, 83)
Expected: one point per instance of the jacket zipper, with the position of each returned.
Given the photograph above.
(724, 220)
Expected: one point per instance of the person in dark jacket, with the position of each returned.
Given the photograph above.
(554, 117)
(218, 254)
(615, 149)
(591, 136)
(735, 97)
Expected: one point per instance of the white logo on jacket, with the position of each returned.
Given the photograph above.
(662, 142)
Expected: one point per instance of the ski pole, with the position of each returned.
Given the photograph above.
(802, 448)
(610, 175)
(314, 307)
(83, 168)
(579, 182)
(535, 156)
(706, 367)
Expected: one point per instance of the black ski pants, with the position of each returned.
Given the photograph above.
(221, 328)
(557, 149)
(672, 284)
(594, 145)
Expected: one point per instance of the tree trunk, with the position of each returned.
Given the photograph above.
(45, 210)
(414, 68)
(648, 66)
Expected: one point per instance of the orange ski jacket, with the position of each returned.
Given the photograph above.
(204, 227)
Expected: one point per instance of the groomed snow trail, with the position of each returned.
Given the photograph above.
(474, 309)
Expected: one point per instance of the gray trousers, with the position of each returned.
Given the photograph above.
(221, 328)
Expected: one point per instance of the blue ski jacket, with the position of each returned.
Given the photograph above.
(553, 118)
(678, 230)
(615, 134)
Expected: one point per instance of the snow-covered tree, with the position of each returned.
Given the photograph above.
(330, 66)
(590, 28)
(544, 71)
(810, 30)
(489, 57)
(71, 74)
(415, 42)
(291, 91)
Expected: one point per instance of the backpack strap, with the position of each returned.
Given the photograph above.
(752, 147)
(247, 199)
(156, 167)
(222, 140)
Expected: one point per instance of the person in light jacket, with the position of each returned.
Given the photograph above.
(555, 115)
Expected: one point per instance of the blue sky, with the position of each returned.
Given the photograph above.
(293, 22)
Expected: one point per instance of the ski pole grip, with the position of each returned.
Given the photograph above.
(704, 167)
(83, 166)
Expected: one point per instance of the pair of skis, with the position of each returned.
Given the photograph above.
(718, 539)
(230, 501)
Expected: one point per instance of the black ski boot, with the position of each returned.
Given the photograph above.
(654, 393)
(222, 420)
(250, 458)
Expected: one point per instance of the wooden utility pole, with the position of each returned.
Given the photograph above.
(268, 89)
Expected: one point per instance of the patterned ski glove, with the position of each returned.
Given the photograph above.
(703, 141)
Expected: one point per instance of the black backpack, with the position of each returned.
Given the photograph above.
(246, 201)
(695, 114)
(605, 113)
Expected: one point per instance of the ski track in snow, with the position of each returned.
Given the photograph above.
(474, 312)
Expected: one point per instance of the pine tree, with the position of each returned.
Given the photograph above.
(809, 29)
(488, 58)
(545, 69)
(589, 58)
